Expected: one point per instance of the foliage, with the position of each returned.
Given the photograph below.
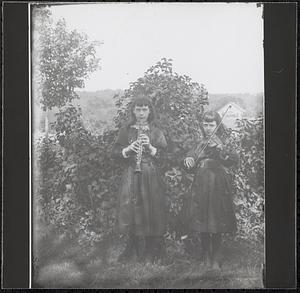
(72, 162)
(249, 179)
(79, 177)
(80, 182)
(65, 58)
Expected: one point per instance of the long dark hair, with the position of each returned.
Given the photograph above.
(210, 116)
(142, 100)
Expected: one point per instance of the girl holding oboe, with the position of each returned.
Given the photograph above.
(141, 213)
(211, 209)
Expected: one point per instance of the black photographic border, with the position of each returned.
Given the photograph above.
(280, 45)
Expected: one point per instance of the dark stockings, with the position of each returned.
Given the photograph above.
(206, 246)
(211, 244)
(155, 248)
(131, 248)
(150, 247)
(216, 245)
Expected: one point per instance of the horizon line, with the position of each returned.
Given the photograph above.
(209, 93)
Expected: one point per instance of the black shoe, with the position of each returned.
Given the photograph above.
(141, 258)
(124, 257)
(216, 266)
(207, 261)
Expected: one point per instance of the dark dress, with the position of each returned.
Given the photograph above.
(210, 207)
(141, 209)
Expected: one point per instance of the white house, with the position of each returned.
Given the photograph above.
(234, 112)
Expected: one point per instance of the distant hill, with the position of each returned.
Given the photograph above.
(98, 107)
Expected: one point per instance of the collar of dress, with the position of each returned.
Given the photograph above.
(143, 128)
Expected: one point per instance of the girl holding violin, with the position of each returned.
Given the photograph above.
(141, 211)
(210, 206)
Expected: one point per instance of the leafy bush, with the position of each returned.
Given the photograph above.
(78, 187)
(79, 183)
(249, 179)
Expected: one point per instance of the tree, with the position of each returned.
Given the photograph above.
(63, 59)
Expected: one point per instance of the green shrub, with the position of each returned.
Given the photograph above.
(79, 180)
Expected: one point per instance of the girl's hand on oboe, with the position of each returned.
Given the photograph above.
(133, 147)
(145, 141)
(189, 162)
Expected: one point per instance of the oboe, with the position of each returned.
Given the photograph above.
(139, 153)
(141, 130)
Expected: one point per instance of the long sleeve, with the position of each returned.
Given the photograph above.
(193, 154)
(229, 157)
(160, 143)
(194, 151)
(120, 143)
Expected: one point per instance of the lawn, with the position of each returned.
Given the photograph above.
(61, 263)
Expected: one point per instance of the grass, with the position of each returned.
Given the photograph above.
(61, 263)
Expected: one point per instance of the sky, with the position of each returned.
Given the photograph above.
(217, 44)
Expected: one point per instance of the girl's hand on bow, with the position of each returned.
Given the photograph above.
(189, 162)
